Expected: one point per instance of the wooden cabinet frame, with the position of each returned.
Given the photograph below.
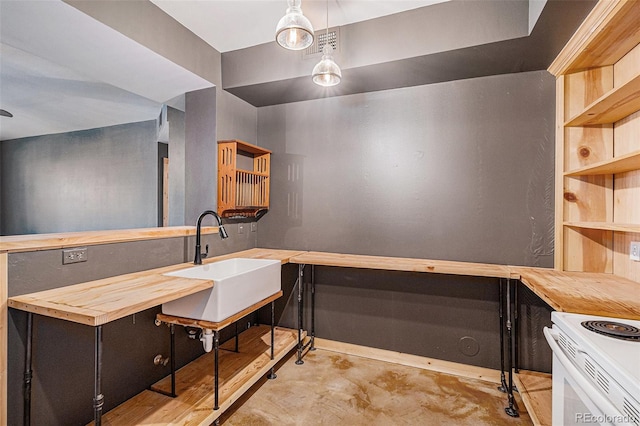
(598, 142)
(243, 192)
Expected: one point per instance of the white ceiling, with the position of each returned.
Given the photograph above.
(62, 70)
(236, 24)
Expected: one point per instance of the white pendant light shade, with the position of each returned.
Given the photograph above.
(326, 73)
(294, 31)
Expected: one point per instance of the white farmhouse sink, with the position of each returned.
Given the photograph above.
(237, 284)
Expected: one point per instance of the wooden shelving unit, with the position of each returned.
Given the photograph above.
(243, 179)
(598, 142)
(194, 383)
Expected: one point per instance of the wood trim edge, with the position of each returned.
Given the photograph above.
(431, 364)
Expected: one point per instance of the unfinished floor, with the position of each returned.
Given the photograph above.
(337, 389)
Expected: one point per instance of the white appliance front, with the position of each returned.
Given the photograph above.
(595, 377)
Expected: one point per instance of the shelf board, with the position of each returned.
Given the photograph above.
(247, 147)
(620, 164)
(194, 383)
(535, 391)
(606, 226)
(614, 105)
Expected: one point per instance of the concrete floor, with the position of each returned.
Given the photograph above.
(337, 389)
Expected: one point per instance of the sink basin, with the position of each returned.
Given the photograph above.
(237, 284)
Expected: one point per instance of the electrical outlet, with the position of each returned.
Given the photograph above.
(634, 251)
(74, 255)
(254, 226)
(241, 228)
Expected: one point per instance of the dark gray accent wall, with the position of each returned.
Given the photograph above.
(201, 153)
(448, 317)
(177, 175)
(460, 170)
(63, 351)
(86, 180)
(444, 42)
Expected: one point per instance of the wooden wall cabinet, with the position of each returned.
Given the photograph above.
(243, 179)
(598, 142)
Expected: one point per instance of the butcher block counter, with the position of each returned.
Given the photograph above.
(578, 292)
(99, 302)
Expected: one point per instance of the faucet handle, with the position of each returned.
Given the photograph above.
(206, 251)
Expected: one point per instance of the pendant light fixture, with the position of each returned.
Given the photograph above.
(326, 73)
(294, 31)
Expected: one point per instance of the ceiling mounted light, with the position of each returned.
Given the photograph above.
(326, 73)
(294, 31)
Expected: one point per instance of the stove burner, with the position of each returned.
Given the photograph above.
(613, 329)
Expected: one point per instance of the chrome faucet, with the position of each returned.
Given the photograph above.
(221, 231)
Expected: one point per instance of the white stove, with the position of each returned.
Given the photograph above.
(596, 370)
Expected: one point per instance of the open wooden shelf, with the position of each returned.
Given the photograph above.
(605, 226)
(535, 391)
(194, 382)
(614, 105)
(620, 164)
(597, 103)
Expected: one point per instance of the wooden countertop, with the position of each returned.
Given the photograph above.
(102, 301)
(584, 292)
(577, 292)
(402, 264)
(35, 242)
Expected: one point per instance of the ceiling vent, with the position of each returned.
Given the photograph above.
(320, 39)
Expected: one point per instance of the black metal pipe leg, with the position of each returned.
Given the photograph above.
(28, 373)
(299, 361)
(313, 308)
(512, 409)
(172, 328)
(216, 371)
(272, 374)
(501, 302)
(237, 341)
(98, 398)
(516, 337)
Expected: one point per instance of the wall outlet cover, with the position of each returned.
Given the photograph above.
(634, 251)
(74, 255)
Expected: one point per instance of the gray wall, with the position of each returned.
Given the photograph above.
(460, 170)
(92, 179)
(63, 351)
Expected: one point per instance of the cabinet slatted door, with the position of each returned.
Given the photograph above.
(243, 179)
